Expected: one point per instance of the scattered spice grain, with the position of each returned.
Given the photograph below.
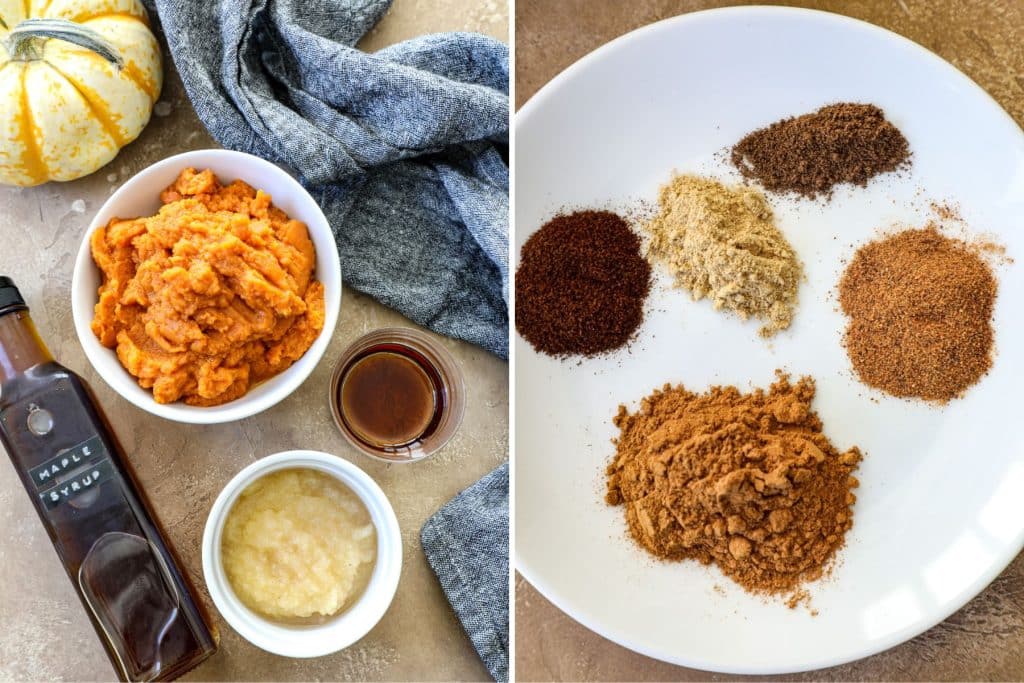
(721, 243)
(811, 154)
(920, 314)
(746, 481)
(581, 284)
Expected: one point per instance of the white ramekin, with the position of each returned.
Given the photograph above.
(341, 631)
(140, 196)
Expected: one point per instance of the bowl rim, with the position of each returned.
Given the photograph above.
(352, 624)
(247, 405)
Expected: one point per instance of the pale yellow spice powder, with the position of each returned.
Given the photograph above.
(721, 243)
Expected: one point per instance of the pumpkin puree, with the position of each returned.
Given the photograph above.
(210, 296)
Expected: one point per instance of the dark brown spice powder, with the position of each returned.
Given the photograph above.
(811, 154)
(581, 284)
(920, 314)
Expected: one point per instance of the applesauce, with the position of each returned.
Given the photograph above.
(212, 295)
(298, 544)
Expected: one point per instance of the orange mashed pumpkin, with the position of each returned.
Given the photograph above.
(210, 296)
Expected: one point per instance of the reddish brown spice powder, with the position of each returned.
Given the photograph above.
(581, 284)
(920, 314)
(811, 154)
(746, 481)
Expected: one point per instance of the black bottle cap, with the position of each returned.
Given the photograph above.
(10, 297)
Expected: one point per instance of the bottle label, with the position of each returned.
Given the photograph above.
(53, 469)
(72, 472)
(71, 488)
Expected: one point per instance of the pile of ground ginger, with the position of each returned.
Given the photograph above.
(721, 243)
(747, 481)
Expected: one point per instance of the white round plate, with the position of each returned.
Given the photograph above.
(941, 505)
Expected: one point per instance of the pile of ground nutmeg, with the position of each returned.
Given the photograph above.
(721, 243)
(746, 481)
(581, 284)
(920, 314)
(811, 154)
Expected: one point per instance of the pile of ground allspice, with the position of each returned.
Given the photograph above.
(721, 243)
(811, 154)
(919, 305)
(581, 284)
(746, 481)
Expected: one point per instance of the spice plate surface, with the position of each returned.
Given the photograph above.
(940, 509)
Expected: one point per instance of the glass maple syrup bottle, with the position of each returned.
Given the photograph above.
(125, 573)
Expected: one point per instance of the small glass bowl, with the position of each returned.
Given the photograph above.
(452, 391)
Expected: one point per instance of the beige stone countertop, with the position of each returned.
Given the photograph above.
(984, 39)
(44, 633)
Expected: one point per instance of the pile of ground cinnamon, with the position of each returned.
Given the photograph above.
(721, 243)
(920, 314)
(746, 481)
(811, 154)
(581, 284)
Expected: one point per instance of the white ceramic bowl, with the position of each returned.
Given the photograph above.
(140, 196)
(341, 631)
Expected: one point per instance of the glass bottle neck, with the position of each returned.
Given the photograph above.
(20, 345)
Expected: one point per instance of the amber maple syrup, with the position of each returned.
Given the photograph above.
(391, 397)
(72, 467)
(397, 395)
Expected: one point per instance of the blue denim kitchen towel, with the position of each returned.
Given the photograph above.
(466, 544)
(404, 148)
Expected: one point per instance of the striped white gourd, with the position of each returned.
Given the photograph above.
(78, 81)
